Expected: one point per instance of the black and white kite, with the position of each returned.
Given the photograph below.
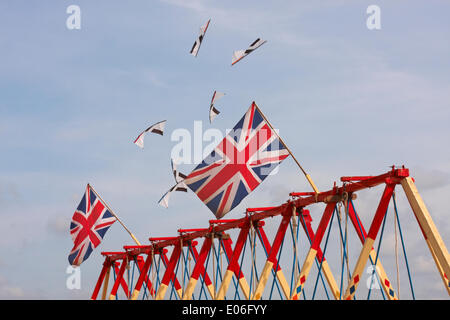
(179, 186)
(239, 54)
(157, 128)
(198, 42)
(164, 201)
(179, 177)
(213, 112)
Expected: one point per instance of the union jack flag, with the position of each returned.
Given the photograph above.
(89, 224)
(243, 159)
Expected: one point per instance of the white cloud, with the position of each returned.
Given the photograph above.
(59, 224)
(9, 291)
(430, 178)
(424, 263)
(8, 192)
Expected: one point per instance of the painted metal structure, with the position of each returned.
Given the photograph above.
(154, 273)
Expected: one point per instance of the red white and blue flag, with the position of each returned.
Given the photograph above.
(89, 224)
(243, 159)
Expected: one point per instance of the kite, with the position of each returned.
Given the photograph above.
(179, 186)
(198, 42)
(157, 128)
(177, 174)
(238, 55)
(164, 201)
(213, 112)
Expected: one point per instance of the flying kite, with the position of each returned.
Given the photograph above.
(164, 201)
(198, 42)
(179, 177)
(157, 128)
(238, 55)
(213, 112)
(179, 186)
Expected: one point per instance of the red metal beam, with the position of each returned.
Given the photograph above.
(143, 277)
(260, 209)
(363, 182)
(119, 280)
(370, 239)
(199, 269)
(106, 266)
(192, 230)
(355, 178)
(169, 273)
(306, 224)
(233, 265)
(229, 252)
(199, 258)
(263, 238)
(351, 184)
(301, 194)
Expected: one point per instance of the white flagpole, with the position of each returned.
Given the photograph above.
(308, 177)
(112, 212)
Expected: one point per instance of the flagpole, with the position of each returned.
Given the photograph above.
(112, 212)
(308, 177)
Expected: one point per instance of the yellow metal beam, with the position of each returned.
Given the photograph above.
(105, 283)
(441, 271)
(306, 268)
(436, 244)
(359, 268)
(226, 283)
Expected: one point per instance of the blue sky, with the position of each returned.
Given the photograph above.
(347, 101)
